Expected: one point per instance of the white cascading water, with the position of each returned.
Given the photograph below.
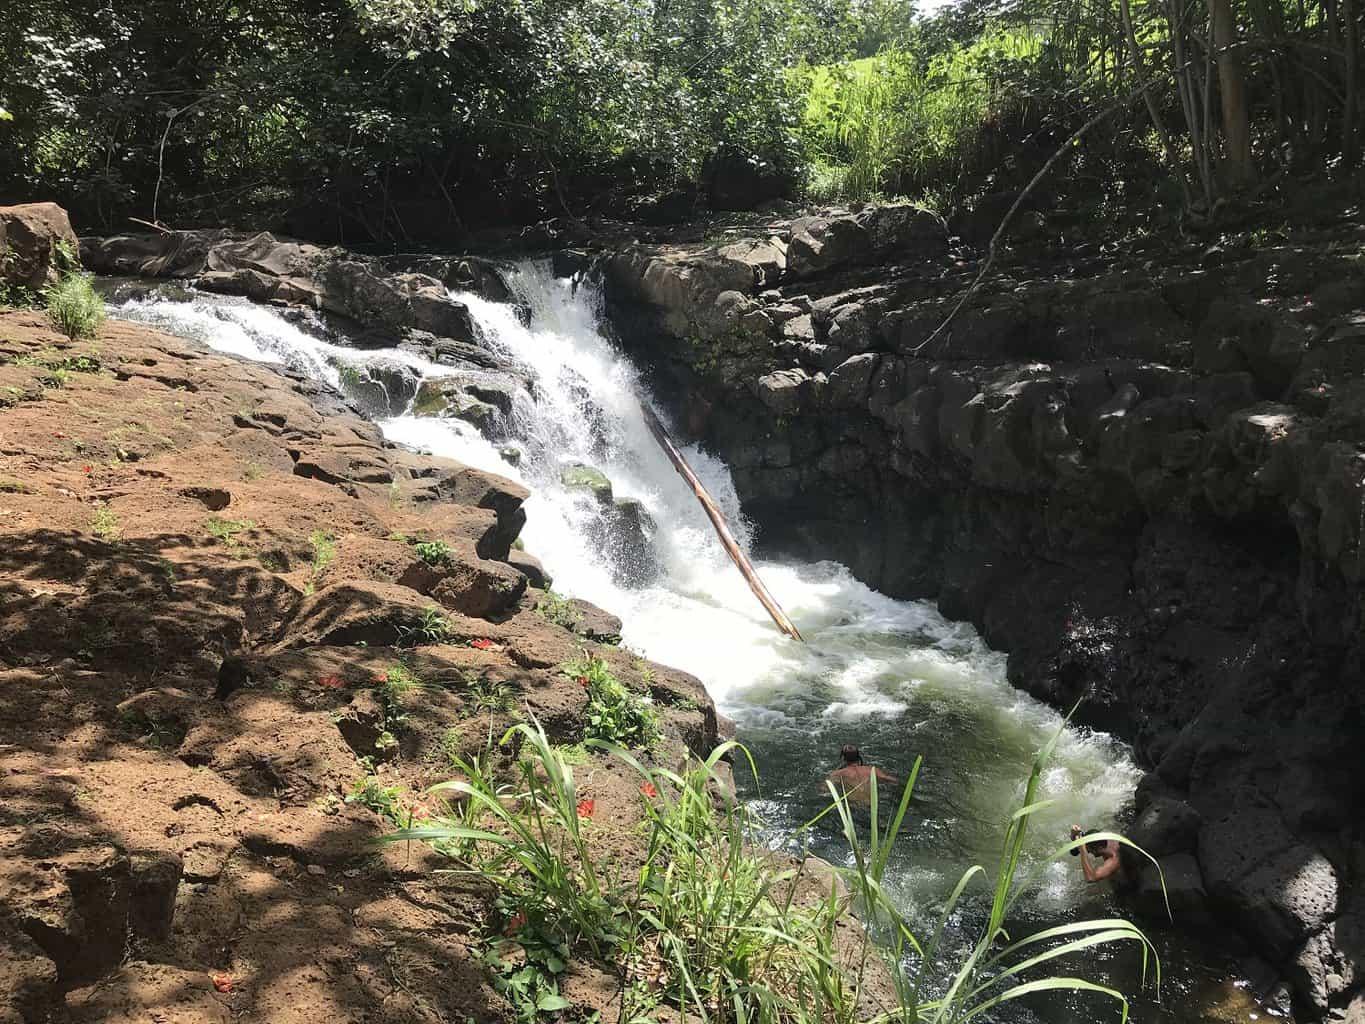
(892, 676)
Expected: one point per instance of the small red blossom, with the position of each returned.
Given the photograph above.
(382, 677)
(649, 790)
(586, 807)
(331, 682)
(222, 982)
(87, 469)
(481, 644)
(515, 924)
(582, 681)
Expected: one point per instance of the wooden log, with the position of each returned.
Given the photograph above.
(727, 539)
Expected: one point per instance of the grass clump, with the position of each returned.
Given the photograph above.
(432, 627)
(227, 530)
(8, 486)
(436, 553)
(74, 308)
(615, 714)
(557, 608)
(711, 925)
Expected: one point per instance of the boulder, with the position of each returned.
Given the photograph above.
(903, 229)
(782, 391)
(35, 239)
(478, 587)
(588, 480)
(820, 244)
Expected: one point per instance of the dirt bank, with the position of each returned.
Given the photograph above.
(208, 572)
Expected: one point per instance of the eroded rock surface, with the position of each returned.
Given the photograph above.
(1142, 475)
(210, 580)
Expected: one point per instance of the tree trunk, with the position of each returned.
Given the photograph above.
(1153, 111)
(1232, 91)
(1351, 42)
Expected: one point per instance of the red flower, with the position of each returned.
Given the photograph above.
(515, 924)
(382, 677)
(222, 982)
(586, 807)
(481, 644)
(331, 682)
(87, 469)
(648, 790)
(582, 681)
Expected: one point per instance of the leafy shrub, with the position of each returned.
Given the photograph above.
(74, 308)
(615, 713)
(432, 628)
(557, 608)
(436, 553)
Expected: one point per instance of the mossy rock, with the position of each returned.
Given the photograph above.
(430, 400)
(579, 477)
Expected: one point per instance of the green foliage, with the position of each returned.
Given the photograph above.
(324, 551)
(559, 609)
(104, 524)
(227, 530)
(432, 627)
(615, 713)
(710, 920)
(436, 553)
(370, 792)
(74, 307)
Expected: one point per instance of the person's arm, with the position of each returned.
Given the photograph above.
(1086, 868)
(1098, 872)
(1107, 865)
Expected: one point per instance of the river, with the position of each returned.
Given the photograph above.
(894, 677)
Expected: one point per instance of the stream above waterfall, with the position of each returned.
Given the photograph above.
(893, 677)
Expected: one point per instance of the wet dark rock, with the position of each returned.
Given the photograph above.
(1144, 482)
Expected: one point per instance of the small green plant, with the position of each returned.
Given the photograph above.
(557, 608)
(432, 627)
(324, 551)
(8, 486)
(65, 258)
(227, 530)
(74, 308)
(252, 472)
(104, 524)
(349, 376)
(387, 741)
(395, 684)
(369, 792)
(488, 696)
(436, 553)
(615, 714)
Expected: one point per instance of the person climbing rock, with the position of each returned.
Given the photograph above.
(853, 777)
(1099, 859)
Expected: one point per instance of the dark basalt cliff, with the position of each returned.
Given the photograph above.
(1141, 474)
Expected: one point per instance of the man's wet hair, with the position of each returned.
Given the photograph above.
(851, 754)
(1094, 847)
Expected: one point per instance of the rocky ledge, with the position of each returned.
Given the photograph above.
(208, 573)
(1140, 472)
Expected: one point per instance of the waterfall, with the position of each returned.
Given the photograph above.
(893, 676)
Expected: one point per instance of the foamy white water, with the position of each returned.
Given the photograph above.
(893, 676)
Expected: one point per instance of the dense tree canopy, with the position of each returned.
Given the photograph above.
(403, 120)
